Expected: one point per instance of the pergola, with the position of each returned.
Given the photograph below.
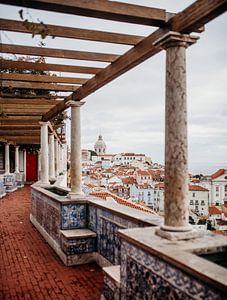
(20, 123)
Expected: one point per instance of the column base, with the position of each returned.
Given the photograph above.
(76, 196)
(178, 235)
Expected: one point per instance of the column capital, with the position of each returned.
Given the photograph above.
(72, 103)
(43, 123)
(174, 39)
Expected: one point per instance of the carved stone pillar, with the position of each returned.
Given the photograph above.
(76, 180)
(176, 149)
(44, 176)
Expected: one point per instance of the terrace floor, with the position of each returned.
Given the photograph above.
(29, 268)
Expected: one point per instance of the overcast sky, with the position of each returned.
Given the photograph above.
(129, 112)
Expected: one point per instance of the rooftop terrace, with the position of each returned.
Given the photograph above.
(29, 268)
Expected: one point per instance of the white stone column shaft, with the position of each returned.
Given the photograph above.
(17, 159)
(76, 178)
(52, 157)
(24, 164)
(7, 163)
(44, 176)
(56, 158)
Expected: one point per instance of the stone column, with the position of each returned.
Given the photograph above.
(17, 159)
(7, 163)
(176, 149)
(56, 158)
(24, 163)
(44, 176)
(51, 157)
(76, 180)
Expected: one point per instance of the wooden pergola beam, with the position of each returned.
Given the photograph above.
(29, 96)
(19, 127)
(37, 66)
(109, 10)
(42, 78)
(197, 15)
(27, 102)
(5, 133)
(145, 49)
(59, 53)
(72, 33)
(38, 86)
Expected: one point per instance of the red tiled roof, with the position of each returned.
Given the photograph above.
(143, 173)
(218, 173)
(197, 188)
(160, 185)
(222, 232)
(105, 194)
(213, 210)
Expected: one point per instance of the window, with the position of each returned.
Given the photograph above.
(217, 195)
(197, 208)
(191, 202)
(225, 188)
(202, 203)
(196, 202)
(217, 188)
(193, 194)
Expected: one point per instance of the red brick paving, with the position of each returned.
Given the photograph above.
(29, 268)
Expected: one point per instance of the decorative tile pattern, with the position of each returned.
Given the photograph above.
(2, 188)
(78, 246)
(110, 290)
(108, 240)
(147, 277)
(74, 216)
(9, 183)
(47, 214)
(92, 218)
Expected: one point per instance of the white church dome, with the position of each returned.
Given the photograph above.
(100, 146)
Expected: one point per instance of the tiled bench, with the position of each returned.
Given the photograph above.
(78, 245)
(112, 282)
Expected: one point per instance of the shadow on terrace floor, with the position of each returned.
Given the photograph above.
(29, 268)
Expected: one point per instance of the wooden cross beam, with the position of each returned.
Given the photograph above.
(72, 33)
(40, 86)
(42, 78)
(59, 53)
(109, 10)
(28, 102)
(24, 65)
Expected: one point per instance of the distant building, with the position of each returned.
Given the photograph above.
(198, 200)
(127, 159)
(100, 146)
(219, 187)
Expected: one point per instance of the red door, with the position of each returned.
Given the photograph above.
(31, 167)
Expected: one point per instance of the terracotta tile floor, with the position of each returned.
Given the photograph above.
(29, 268)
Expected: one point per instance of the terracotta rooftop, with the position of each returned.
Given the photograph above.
(105, 194)
(218, 173)
(213, 210)
(197, 188)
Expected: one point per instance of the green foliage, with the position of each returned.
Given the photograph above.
(209, 225)
(59, 119)
(36, 29)
(202, 221)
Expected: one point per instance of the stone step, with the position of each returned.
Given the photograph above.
(112, 283)
(72, 234)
